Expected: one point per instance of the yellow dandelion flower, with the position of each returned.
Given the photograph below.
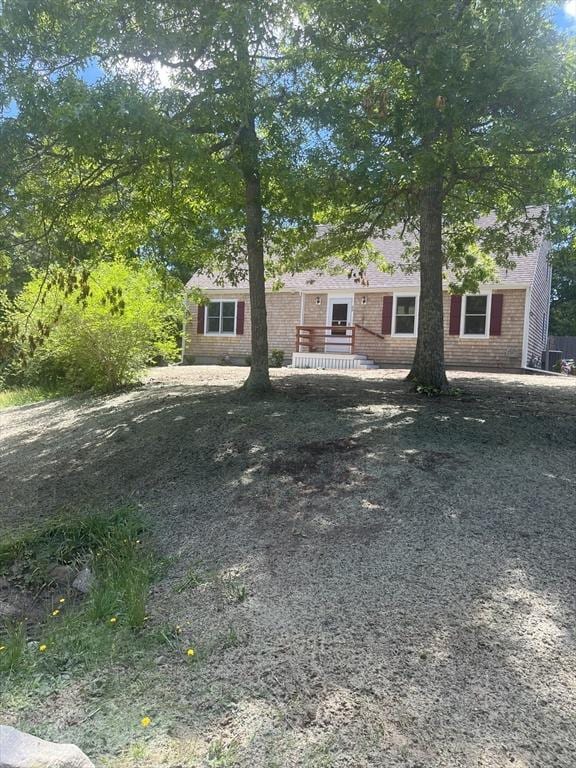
(42, 647)
(62, 600)
(190, 652)
(56, 612)
(145, 722)
(113, 620)
(2, 648)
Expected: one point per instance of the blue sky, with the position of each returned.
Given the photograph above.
(564, 15)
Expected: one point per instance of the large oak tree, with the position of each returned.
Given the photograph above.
(212, 164)
(433, 114)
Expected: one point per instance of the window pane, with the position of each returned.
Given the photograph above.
(476, 305)
(405, 324)
(227, 325)
(213, 324)
(214, 309)
(339, 314)
(228, 309)
(406, 305)
(475, 324)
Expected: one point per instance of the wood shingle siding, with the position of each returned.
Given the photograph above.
(283, 316)
(287, 310)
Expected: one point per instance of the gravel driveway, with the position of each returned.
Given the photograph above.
(386, 580)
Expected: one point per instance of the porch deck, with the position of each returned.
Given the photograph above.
(327, 346)
(331, 360)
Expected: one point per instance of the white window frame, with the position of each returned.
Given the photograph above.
(220, 300)
(486, 333)
(405, 295)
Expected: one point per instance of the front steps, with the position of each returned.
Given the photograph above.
(331, 361)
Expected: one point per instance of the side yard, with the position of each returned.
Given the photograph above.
(368, 578)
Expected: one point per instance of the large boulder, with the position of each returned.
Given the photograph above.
(21, 750)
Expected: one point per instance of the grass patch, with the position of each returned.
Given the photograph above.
(194, 577)
(74, 633)
(233, 590)
(26, 395)
(221, 755)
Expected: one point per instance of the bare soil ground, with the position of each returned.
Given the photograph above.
(371, 578)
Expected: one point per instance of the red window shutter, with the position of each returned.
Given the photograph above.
(387, 315)
(200, 326)
(240, 309)
(455, 312)
(496, 314)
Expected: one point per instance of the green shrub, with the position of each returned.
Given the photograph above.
(99, 335)
(277, 358)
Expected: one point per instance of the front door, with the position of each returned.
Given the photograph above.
(339, 319)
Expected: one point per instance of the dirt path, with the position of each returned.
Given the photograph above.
(387, 580)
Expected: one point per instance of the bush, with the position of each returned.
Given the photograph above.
(100, 335)
(277, 358)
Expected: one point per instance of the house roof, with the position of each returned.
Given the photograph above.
(392, 249)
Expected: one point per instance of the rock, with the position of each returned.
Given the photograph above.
(21, 750)
(84, 581)
(62, 574)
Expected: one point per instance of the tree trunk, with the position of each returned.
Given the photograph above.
(428, 368)
(258, 382)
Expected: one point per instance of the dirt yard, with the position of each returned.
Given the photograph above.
(372, 578)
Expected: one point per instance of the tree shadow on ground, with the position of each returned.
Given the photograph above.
(409, 563)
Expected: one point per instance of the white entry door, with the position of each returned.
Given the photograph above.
(339, 318)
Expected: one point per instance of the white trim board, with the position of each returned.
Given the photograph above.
(221, 299)
(486, 333)
(526, 334)
(405, 294)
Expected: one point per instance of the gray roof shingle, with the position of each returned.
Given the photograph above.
(393, 249)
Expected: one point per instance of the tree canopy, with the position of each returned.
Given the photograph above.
(278, 115)
(434, 114)
(563, 310)
(205, 172)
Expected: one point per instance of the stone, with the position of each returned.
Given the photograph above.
(84, 581)
(21, 750)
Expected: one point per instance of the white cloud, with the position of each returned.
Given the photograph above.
(570, 8)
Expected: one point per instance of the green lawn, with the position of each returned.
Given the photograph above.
(26, 395)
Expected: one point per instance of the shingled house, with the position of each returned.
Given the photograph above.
(323, 320)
